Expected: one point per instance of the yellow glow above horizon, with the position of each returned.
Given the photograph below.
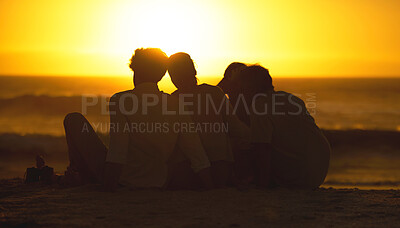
(291, 38)
(170, 25)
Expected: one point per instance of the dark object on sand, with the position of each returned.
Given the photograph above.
(32, 175)
(44, 174)
(41, 173)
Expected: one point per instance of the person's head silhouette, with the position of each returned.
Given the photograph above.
(148, 65)
(233, 67)
(227, 83)
(182, 71)
(255, 79)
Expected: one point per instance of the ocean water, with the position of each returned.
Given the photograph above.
(38, 104)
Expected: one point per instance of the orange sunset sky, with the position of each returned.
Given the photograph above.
(290, 37)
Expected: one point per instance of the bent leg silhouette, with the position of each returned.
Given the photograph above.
(87, 153)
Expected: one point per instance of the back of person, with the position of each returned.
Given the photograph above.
(209, 107)
(148, 135)
(300, 151)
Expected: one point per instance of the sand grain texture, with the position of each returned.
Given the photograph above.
(43, 206)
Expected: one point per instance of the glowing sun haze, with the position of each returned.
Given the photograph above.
(290, 37)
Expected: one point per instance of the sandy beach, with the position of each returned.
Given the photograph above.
(42, 206)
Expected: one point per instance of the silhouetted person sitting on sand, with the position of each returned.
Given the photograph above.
(212, 112)
(146, 144)
(291, 150)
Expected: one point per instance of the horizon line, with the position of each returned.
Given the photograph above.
(205, 76)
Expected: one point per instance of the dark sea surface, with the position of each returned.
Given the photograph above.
(38, 104)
